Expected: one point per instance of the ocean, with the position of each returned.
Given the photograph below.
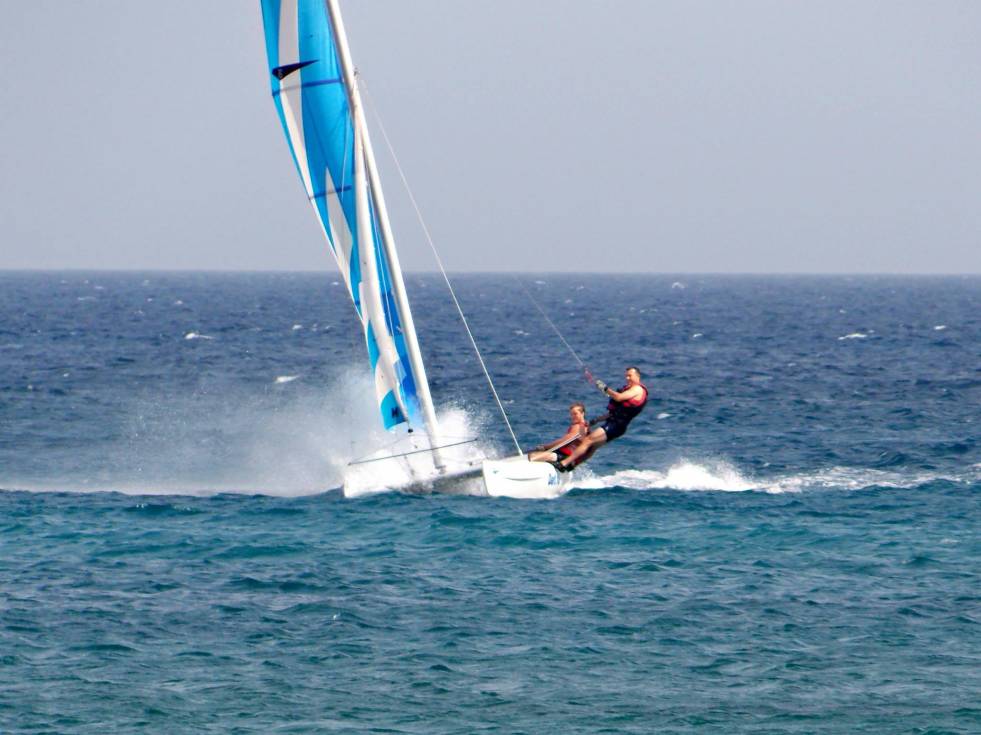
(787, 540)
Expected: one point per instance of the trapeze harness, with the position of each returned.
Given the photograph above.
(622, 413)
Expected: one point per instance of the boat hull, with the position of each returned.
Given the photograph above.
(516, 477)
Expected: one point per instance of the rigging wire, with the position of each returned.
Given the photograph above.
(541, 311)
(414, 451)
(439, 262)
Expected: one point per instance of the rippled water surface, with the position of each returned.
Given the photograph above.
(786, 541)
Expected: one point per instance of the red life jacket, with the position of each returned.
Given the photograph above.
(626, 410)
(583, 428)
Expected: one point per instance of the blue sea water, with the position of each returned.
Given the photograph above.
(786, 541)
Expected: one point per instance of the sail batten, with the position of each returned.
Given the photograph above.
(318, 111)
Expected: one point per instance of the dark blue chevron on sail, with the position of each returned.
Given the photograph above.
(281, 72)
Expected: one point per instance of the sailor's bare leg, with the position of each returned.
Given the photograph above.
(592, 449)
(543, 457)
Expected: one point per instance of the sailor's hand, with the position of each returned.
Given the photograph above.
(601, 385)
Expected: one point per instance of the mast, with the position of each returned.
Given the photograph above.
(388, 240)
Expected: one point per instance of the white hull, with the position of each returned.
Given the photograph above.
(514, 477)
(518, 478)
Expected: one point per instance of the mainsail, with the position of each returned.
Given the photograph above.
(315, 90)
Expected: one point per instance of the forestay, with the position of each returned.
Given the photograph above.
(315, 91)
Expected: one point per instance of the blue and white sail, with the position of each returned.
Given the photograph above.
(315, 91)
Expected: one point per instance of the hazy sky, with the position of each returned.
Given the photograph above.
(548, 135)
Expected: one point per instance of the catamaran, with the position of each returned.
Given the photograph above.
(315, 90)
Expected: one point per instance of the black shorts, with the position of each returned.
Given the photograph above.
(614, 429)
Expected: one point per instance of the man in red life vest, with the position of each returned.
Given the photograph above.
(624, 405)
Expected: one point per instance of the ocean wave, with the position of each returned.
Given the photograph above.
(684, 476)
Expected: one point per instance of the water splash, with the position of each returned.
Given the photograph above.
(404, 460)
(230, 438)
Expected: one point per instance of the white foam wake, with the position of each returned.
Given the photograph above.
(682, 476)
(723, 477)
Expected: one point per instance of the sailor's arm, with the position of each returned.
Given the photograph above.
(634, 391)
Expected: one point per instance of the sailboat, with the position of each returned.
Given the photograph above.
(315, 90)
